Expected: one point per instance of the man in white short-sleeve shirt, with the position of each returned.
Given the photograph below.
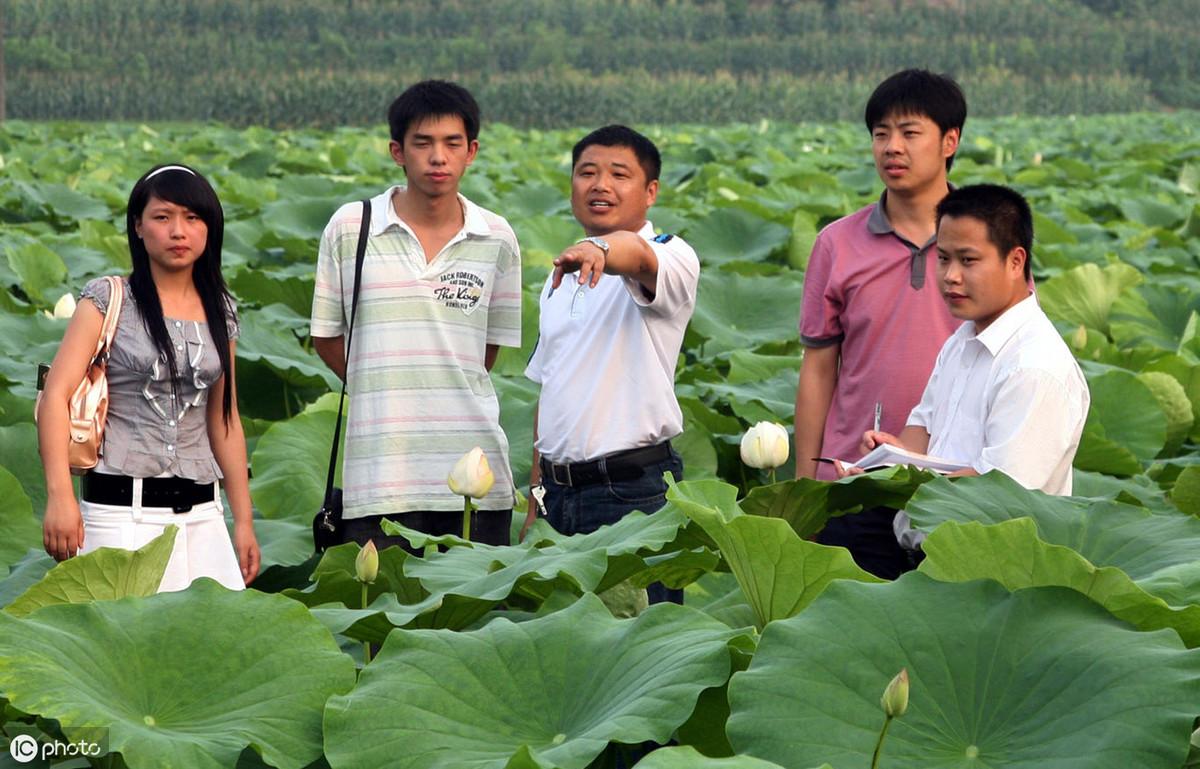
(440, 292)
(1006, 393)
(613, 314)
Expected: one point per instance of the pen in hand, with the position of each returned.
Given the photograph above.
(878, 414)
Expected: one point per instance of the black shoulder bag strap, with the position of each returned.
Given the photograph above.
(327, 509)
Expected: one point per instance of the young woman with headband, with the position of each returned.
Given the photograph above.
(173, 429)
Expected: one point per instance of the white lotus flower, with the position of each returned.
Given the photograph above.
(765, 446)
(471, 476)
(64, 308)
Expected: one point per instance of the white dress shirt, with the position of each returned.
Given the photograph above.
(1011, 398)
(606, 356)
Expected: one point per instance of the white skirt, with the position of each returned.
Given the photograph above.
(202, 544)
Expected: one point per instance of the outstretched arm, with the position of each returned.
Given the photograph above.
(628, 254)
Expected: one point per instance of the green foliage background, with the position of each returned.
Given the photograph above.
(547, 63)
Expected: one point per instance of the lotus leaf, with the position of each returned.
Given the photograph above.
(1156, 551)
(25, 572)
(688, 758)
(1086, 294)
(779, 572)
(104, 574)
(21, 530)
(435, 698)
(1040, 677)
(243, 668)
(737, 312)
(291, 460)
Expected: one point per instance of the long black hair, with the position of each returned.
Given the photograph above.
(178, 184)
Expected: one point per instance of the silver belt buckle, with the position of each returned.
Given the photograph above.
(554, 474)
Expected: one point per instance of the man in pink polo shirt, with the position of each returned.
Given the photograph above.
(872, 319)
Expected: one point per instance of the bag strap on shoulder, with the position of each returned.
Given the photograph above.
(364, 231)
(108, 331)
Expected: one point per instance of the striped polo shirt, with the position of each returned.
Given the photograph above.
(420, 396)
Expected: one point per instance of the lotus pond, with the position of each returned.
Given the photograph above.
(1038, 632)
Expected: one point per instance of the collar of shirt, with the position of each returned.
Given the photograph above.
(647, 231)
(996, 335)
(878, 224)
(383, 215)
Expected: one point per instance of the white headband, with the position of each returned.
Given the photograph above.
(153, 174)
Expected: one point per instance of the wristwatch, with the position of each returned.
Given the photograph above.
(596, 241)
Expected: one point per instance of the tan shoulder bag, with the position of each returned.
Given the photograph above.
(88, 406)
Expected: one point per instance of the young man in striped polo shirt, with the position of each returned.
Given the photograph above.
(441, 291)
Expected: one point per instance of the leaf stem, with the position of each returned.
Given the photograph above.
(887, 721)
(366, 644)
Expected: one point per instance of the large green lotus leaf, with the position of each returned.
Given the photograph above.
(776, 394)
(1153, 314)
(689, 758)
(101, 575)
(283, 541)
(1098, 454)
(808, 504)
(25, 572)
(18, 455)
(1128, 414)
(1152, 213)
(740, 312)
(752, 367)
(1085, 295)
(263, 287)
(534, 199)
(299, 218)
(1138, 490)
(439, 699)
(393, 600)
(719, 595)
(1186, 493)
(544, 237)
(728, 235)
(582, 562)
(21, 530)
(291, 460)
(1026, 680)
(1012, 554)
(779, 572)
(39, 269)
(280, 351)
(1156, 551)
(200, 674)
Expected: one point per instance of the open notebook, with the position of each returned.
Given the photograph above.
(886, 455)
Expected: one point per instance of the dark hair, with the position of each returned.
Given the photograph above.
(1003, 210)
(433, 98)
(919, 92)
(182, 186)
(623, 136)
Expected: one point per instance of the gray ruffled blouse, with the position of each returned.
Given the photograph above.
(150, 430)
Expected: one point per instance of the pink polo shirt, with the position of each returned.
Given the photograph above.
(877, 294)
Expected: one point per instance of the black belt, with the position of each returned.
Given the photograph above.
(619, 466)
(179, 494)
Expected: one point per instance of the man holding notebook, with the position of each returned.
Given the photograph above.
(1006, 393)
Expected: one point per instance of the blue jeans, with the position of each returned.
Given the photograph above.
(583, 509)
